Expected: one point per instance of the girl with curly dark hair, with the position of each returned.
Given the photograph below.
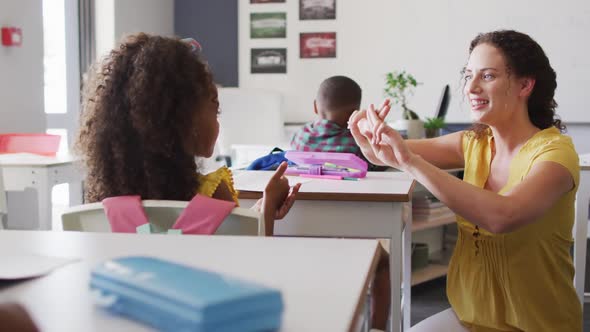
(515, 205)
(148, 109)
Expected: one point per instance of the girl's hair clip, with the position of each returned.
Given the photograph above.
(195, 46)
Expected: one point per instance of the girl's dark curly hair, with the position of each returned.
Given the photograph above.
(137, 120)
(525, 58)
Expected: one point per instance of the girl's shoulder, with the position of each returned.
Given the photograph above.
(208, 183)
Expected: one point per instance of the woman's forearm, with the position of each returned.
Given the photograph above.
(486, 209)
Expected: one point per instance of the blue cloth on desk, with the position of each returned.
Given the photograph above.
(270, 162)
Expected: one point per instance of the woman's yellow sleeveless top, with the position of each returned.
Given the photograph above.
(523, 280)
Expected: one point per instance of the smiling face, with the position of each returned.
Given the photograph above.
(493, 93)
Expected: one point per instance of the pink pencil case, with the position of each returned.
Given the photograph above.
(326, 163)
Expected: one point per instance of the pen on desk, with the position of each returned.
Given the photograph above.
(326, 177)
(349, 178)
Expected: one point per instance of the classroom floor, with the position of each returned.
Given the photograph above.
(430, 298)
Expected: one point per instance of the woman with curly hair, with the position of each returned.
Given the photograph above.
(148, 109)
(511, 268)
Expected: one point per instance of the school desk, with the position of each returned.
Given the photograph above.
(324, 282)
(372, 207)
(24, 170)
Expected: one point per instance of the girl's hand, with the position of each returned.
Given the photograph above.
(362, 130)
(278, 196)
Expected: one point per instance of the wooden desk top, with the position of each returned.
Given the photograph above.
(323, 281)
(375, 187)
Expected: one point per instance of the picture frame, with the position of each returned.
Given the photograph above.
(268, 25)
(317, 45)
(268, 61)
(317, 10)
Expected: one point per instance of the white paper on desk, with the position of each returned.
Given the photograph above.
(257, 180)
(23, 265)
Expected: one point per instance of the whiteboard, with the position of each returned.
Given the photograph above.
(428, 38)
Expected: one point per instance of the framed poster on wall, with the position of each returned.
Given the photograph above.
(268, 25)
(317, 9)
(317, 45)
(268, 61)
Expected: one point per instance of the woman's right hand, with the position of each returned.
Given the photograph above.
(362, 130)
(387, 144)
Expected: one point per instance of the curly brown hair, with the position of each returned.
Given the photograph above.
(138, 108)
(525, 58)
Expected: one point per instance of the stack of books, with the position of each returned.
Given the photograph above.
(427, 208)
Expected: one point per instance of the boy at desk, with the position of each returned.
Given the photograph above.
(337, 98)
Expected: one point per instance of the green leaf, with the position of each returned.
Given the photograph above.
(434, 123)
(399, 85)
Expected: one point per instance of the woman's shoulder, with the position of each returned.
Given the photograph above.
(550, 139)
(475, 143)
(551, 145)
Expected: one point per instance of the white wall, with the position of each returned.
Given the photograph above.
(151, 16)
(117, 18)
(428, 38)
(356, 37)
(104, 11)
(21, 69)
(580, 134)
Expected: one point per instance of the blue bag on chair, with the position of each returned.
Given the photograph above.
(175, 297)
(270, 162)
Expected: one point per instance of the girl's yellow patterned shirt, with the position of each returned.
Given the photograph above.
(208, 183)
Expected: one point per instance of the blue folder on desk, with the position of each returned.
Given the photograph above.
(175, 297)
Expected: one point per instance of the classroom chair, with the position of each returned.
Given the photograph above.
(3, 204)
(162, 214)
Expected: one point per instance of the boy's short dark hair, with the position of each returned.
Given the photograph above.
(339, 94)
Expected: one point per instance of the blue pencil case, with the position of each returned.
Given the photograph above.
(175, 297)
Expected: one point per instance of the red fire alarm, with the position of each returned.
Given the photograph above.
(12, 36)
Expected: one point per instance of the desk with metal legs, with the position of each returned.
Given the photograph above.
(372, 207)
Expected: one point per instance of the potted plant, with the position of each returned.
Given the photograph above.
(433, 126)
(400, 85)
